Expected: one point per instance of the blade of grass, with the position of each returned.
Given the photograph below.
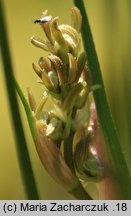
(106, 122)
(21, 146)
(27, 110)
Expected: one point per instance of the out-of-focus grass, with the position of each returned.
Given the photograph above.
(110, 23)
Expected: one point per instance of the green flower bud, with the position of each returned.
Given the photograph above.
(58, 35)
(59, 67)
(31, 100)
(82, 97)
(40, 106)
(49, 84)
(54, 79)
(81, 65)
(71, 32)
(37, 70)
(71, 38)
(39, 43)
(76, 18)
(72, 68)
(44, 63)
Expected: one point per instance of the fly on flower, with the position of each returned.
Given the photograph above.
(43, 19)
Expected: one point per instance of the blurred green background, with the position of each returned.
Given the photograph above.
(110, 23)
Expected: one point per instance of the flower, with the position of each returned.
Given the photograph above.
(67, 79)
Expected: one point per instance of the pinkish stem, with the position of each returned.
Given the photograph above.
(108, 186)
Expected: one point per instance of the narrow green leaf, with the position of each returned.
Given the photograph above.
(21, 146)
(28, 111)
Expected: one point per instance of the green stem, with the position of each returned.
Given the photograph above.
(23, 155)
(106, 122)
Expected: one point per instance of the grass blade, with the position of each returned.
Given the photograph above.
(28, 111)
(21, 146)
(111, 137)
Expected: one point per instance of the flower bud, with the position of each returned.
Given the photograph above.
(59, 67)
(54, 79)
(71, 38)
(44, 63)
(37, 70)
(47, 81)
(76, 18)
(72, 68)
(40, 105)
(71, 32)
(31, 100)
(82, 97)
(39, 43)
(58, 35)
(80, 65)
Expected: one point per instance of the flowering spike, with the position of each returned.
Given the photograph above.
(76, 18)
(65, 75)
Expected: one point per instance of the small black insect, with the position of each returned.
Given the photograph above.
(43, 20)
